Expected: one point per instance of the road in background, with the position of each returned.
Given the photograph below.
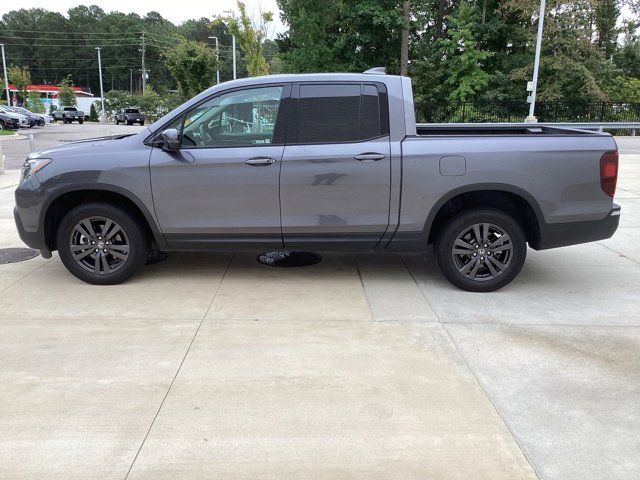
(16, 148)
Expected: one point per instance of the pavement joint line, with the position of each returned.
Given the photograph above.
(24, 276)
(193, 338)
(364, 290)
(473, 373)
(614, 251)
(9, 186)
(504, 421)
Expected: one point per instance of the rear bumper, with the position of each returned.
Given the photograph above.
(553, 235)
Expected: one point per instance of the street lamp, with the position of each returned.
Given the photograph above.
(101, 88)
(536, 66)
(217, 60)
(6, 81)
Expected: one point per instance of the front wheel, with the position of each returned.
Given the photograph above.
(80, 122)
(117, 122)
(102, 244)
(481, 250)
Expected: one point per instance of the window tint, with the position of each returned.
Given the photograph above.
(334, 113)
(328, 113)
(241, 118)
(131, 110)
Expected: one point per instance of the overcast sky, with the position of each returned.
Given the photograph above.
(177, 12)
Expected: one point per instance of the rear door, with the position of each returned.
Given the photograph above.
(336, 167)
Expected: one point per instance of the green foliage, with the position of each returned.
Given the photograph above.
(337, 35)
(461, 57)
(151, 103)
(193, 66)
(20, 78)
(250, 39)
(34, 102)
(93, 113)
(66, 97)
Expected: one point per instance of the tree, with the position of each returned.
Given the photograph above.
(67, 96)
(462, 59)
(249, 38)
(34, 102)
(20, 78)
(93, 113)
(192, 65)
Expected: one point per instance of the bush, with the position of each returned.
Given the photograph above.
(93, 113)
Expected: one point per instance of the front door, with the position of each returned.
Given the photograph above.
(336, 168)
(221, 187)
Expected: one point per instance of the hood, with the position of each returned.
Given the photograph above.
(80, 147)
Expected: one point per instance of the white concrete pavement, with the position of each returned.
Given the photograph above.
(359, 367)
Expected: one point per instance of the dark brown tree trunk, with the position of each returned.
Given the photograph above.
(440, 18)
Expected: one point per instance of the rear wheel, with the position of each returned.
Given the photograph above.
(102, 244)
(481, 250)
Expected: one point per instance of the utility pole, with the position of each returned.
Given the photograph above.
(536, 65)
(404, 43)
(6, 81)
(101, 88)
(131, 81)
(218, 60)
(144, 70)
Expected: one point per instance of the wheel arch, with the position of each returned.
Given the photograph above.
(511, 199)
(65, 200)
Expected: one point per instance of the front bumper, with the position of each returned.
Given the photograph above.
(553, 235)
(34, 239)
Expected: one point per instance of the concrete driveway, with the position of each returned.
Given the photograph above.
(214, 366)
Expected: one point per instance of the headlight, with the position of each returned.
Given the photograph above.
(32, 165)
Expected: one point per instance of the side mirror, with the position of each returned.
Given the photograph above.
(170, 140)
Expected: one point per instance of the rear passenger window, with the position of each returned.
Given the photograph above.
(335, 113)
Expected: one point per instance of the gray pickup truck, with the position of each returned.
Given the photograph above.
(68, 115)
(321, 162)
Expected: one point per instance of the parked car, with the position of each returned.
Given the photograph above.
(33, 120)
(23, 121)
(319, 162)
(8, 122)
(41, 118)
(68, 115)
(129, 116)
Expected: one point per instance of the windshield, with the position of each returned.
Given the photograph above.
(131, 110)
(70, 109)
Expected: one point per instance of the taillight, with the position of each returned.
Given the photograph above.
(609, 172)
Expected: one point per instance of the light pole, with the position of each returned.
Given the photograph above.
(233, 43)
(217, 60)
(6, 81)
(101, 88)
(536, 65)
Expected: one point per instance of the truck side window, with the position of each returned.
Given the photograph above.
(244, 118)
(335, 113)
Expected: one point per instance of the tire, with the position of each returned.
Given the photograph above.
(80, 122)
(2, 126)
(64, 120)
(129, 123)
(497, 266)
(142, 123)
(117, 122)
(118, 264)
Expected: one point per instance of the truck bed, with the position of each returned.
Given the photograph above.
(481, 129)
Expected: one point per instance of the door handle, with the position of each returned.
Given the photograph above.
(260, 161)
(369, 157)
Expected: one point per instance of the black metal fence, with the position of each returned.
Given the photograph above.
(478, 112)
